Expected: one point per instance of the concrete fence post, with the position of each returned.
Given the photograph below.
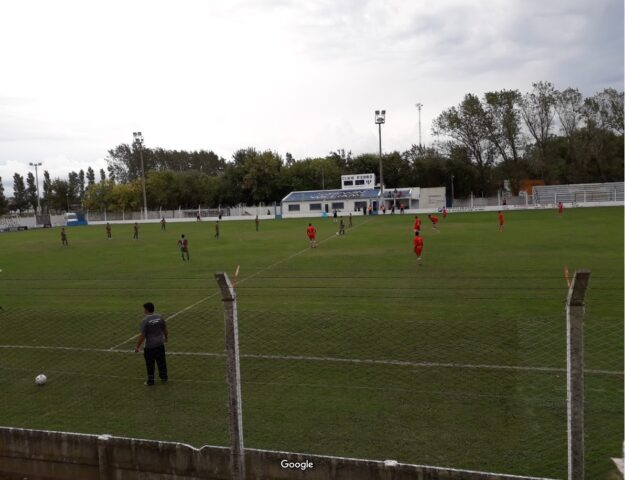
(103, 457)
(237, 453)
(575, 373)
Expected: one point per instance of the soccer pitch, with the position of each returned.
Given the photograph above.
(349, 349)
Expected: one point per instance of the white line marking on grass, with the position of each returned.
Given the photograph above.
(171, 317)
(401, 363)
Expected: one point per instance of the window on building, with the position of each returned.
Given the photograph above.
(294, 207)
(315, 206)
(338, 206)
(360, 182)
(348, 183)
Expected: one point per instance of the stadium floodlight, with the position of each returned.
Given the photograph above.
(419, 105)
(452, 189)
(38, 164)
(380, 117)
(138, 136)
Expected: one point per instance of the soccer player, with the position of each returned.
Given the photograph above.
(312, 235)
(350, 219)
(342, 227)
(108, 231)
(434, 220)
(257, 221)
(444, 212)
(183, 243)
(417, 243)
(217, 229)
(163, 224)
(154, 331)
(135, 234)
(417, 224)
(560, 208)
(64, 237)
(334, 215)
(501, 222)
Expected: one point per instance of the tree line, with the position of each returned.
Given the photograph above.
(545, 134)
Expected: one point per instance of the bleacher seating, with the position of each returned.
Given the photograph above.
(583, 192)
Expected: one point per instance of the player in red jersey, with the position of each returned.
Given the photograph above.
(312, 235)
(444, 212)
(417, 224)
(560, 208)
(417, 243)
(434, 220)
(501, 222)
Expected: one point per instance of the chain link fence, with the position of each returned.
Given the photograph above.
(473, 390)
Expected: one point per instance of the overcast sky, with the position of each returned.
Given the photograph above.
(77, 78)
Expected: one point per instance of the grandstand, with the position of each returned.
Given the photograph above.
(578, 193)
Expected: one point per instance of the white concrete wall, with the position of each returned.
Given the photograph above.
(432, 197)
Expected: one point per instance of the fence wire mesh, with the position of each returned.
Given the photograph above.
(474, 390)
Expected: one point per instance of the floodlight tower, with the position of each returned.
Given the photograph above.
(380, 117)
(419, 105)
(138, 136)
(38, 164)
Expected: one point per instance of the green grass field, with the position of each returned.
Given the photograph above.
(349, 349)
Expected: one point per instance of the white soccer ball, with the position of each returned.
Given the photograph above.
(337, 233)
(41, 379)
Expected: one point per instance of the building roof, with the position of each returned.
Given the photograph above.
(328, 195)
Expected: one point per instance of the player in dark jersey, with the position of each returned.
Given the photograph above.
(183, 243)
(64, 237)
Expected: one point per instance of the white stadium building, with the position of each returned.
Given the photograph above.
(357, 194)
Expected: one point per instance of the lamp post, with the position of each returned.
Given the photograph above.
(37, 180)
(380, 116)
(67, 199)
(419, 105)
(139, 141)
(452, 189)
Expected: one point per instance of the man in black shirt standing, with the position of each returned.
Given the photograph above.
(154, 332)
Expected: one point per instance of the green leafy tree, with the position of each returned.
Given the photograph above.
(126, 196)
(59, 195)
(102, 175)
(4, 204)
(31, 190)
(90, 177)
(467, 126)
(503, 123)
(538, 112)
(81, 183)
(604, 110)
(99, 196)
(20, 195)
(47, 190)
(73, 186)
